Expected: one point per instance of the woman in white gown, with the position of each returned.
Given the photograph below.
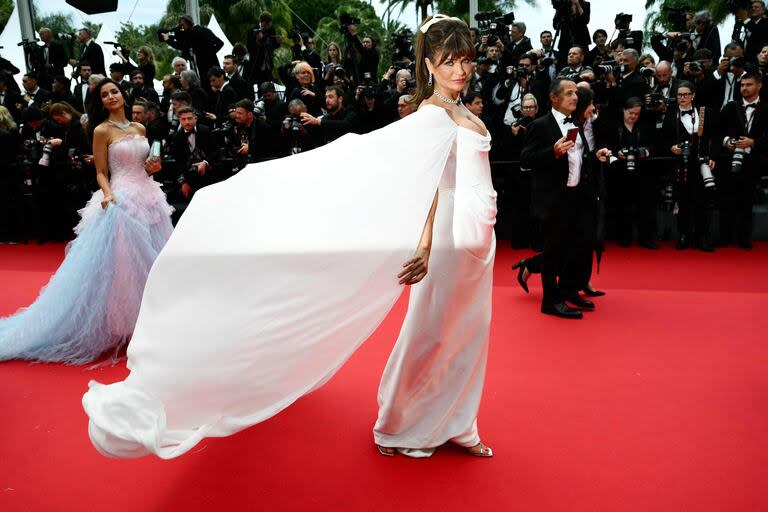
(281, 296)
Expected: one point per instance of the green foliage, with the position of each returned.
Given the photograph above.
(308, 13)
(6, 9)
(460, 8)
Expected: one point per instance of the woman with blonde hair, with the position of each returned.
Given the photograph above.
(146, 58)
(306, 89)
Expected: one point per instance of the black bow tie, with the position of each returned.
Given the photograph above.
(686, 113)
(751, 105)
(567, 120)
(189, 133)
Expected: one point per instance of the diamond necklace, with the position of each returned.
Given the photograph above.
(447, 100)
(121, 126)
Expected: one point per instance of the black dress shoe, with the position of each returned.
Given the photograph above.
(561, 309)
(648, 244)
(592, 293)
(580, 302)
(706, 247)
(682, 243)
(521, 266)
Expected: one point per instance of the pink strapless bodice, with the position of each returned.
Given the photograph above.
(134, 190)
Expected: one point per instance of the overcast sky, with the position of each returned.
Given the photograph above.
(538, 18)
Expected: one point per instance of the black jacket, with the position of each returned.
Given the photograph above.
(550, 174)
(219, 102)
(205, 149)
(733, 123)
(343, 122)
(198, 45)
(93, 54)
(512, 52)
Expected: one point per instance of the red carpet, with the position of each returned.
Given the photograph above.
(655, 402)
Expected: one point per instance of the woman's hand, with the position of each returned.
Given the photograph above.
(415, 269)
(109, 198)
(152, 165)
(307, 92)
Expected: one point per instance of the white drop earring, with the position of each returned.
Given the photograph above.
(429, 81)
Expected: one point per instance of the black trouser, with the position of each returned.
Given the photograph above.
(522, 227)
(695, 207)
(736, 196)
(568, 234)
(633, 195)
(11, 204)
(54, 202)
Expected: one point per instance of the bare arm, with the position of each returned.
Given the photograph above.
(415, 269)
(100, 150)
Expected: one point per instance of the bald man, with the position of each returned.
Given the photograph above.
(666, 85)
(52, 57)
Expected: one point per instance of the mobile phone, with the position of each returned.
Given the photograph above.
(572, 134)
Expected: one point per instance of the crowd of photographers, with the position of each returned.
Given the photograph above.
(685, 126)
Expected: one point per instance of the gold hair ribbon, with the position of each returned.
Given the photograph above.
(436, 18)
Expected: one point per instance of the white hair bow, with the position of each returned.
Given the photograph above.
(435, 19)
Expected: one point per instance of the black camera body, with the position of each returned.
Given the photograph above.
(292, 124)
(345, 20)
(677, 17)
(632, 155)
(694, 66)
(495, 25)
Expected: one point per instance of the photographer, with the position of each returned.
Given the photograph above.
(262, 42)
(507, 97)
(179, 64)
(157, 127)
(723, 83)
(303, 48)
(33, 93)
(306, 90)
(390, 96)
(7, 70)
(705, 35)
(60, 92)
(140, 90)
(338, 121)
(244, 133)
(751, 28)
(11, 181)
(196, 43)
(10, 99)
(368, 61)
(193, 150)
(631, 84)
(405, 107)
(575, 70)
(694, 143)
(295, 136)
(664, 93)
(61, 184)
(190, 83)
(518, 45)
(117, 74)
(744, 136)
(601, 52)
(631, 183)
(369, 109)
(237, 82)
(91, 52)
(81, 89)
(52, 58)
(146, 59)
(571, 18)
(221, 98)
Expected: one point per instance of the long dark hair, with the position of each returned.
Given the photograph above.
(446, 38)
(584, 98)
(97, 114)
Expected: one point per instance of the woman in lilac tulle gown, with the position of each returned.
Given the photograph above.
(90, 305)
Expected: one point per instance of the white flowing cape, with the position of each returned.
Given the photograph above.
(270, 282)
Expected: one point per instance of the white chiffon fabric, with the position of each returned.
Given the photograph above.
(273, 278)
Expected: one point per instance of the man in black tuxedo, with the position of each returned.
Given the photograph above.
(563, 199)
(238, 83)
(90, 53)
(193, 149)
(60, 92)
(197, 44)
(33, 93)
(140, 90)
(52, 57)
(81, 89)
(222, 96)
(744, 135)
(573, 27)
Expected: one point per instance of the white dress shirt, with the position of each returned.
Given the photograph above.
(575, 154)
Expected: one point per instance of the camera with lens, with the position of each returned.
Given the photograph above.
(633, 154)
(694, 66)
(259, 108)
(647, 72)
(401, 64)
(622, 21)
(738, 62)
(547, 61)
(483, 61)
(45, 158)
(656, 99)
(292, 124)
(345, 20)
(403, 45)
(520, 120)
(686, 149)
(706, 173)
(170, 31)
(677, 17)
(737, 160)
(410, 84)
(606, 68)
(495, 25)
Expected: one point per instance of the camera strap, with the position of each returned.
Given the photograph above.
(741, 113)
